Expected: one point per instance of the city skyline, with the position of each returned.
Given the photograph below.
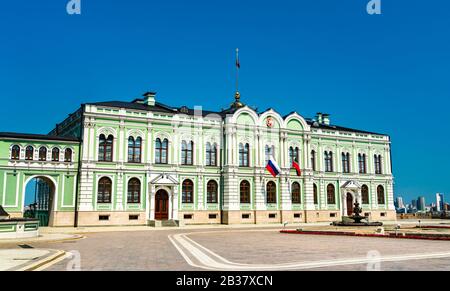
(368, 71)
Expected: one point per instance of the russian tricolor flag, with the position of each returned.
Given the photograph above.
(296, 166)
(273, 167)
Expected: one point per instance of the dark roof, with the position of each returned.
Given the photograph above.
(138, 104)
(158, 107)
(315, 124)
(16, 135)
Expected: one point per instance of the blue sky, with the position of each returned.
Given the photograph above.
(386, 73)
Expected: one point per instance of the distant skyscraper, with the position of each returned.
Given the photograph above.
(421, 206)
(440, 202)
(399, 202)
(413, 204)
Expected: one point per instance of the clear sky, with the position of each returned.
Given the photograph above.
(387, 73)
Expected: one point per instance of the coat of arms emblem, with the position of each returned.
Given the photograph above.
(269, 122)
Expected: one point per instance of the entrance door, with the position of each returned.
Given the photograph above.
(161, 205)
(349, 204)
(39, 194)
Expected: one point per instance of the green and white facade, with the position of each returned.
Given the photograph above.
(145, 182)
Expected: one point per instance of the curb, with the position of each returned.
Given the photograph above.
(42, 262)
(334, 233)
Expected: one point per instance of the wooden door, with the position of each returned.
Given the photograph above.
(161, 205)
(349, 204)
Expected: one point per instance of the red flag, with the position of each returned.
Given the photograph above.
(296, 166)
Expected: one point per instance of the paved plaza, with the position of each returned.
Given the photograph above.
(241, 250)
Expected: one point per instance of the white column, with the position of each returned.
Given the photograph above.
(121, 139)
(175, 202)
(200, 192)
(152, 202)
(92, 144)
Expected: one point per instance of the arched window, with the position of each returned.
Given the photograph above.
(345, 162)
(188, 191)
(270, 152)
(245, 192)
(331, 194)
(313, 160)
(15, 152)
(294, 155)
(134, 191)
(244, 155)
(104, 190)
(42, 154)
(362, 164)
(55, 155)
(161, 151)
(29, 153)
(271, 190)
(315, 194)
(187, 152)
(105, 148)
(68, 155)
(378, 165)
(296, 195)
(211, 192)
(365, 194)
(211, 154)
(328, 161)
(380, 195)
(134, 149)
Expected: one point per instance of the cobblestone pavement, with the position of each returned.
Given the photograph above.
(153, 250)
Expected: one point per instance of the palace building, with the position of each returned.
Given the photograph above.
(146, 163)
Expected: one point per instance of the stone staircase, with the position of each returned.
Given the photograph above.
(164, 223)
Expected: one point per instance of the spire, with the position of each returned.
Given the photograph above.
(237, 96)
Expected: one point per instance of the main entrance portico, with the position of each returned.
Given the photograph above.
(163, 198)
(350, 194)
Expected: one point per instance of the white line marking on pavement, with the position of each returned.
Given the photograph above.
(199, 256)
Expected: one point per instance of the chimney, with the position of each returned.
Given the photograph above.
(326, 119)
(319, 118)
(149, 98)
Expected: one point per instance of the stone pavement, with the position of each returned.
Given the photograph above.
(43, 237)
(27, 259)
(97, 229)
(147, 248)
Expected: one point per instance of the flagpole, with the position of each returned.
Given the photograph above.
(237, 70)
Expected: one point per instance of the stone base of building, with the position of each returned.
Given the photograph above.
(263, 217)
(62, 219)
(111, 218)
(312, 216)
(95, 218)
(199, 217)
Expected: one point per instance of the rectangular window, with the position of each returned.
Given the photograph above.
(212, 216)
(103, 217)
(133, 217)
(188, 216)
(245, 216)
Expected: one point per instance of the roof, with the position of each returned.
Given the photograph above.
(315, 124)
(28, 136)
(158, 107)
(138, 104)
